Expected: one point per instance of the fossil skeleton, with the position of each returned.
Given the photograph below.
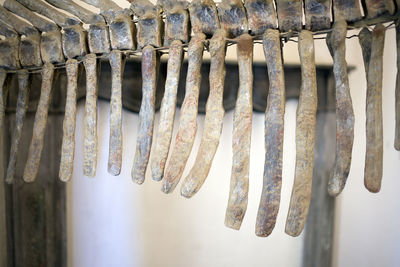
(44, 45)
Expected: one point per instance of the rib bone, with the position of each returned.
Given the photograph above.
(397, 94)
(39, 126)
(376, 8)
(213, 119)
(241, 140)
(344, 110)
(22, 107)
(90, 138)
(3, 97)
(117, 61)
(188, 118)
(374, 150)
(305, 135)
(274, 123)
(68, 141)
(9, 54)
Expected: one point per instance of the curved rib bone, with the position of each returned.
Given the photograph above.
(117, 62)
(188, 118)
(39, 126)
(68, 141)
(213, 119)
(274, 123)
(22, 107)
(83, 14)
(241, 139)
(305, 135)
(9, 55)
(289, 15)
(344, 109)
(373, 66)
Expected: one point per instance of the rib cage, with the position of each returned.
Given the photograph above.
(153, 28)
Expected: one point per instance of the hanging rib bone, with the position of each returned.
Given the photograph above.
(397, 93)
(305, 137)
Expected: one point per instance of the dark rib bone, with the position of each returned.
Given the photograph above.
(241, 139)
(344, 109)
(374, 151)
(188, 118)
(167, 111)
(146, 114)
(376, 8)
(397, 94)
(204, 17)
(176, 21)
(9, 54)
(22, 106)
(232, 17)
(39, 126)
(90, 139)
(117, 62)
(305, 135)
(213, 119)
(348, 9)
(274, 123)
(85, 15)
(317, 14)
(3, 97)
(68, 141)
(261, 15)
(289, 15)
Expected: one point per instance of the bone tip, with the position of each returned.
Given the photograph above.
(156, 173)
(114, 169)
(137, 179)
(28, 178)
(233, 224)
(9, 180)
(187, 191)
(293, 230)
(397, 146)
(263, 231)
(372, 187)
(167, 187)
(89, 172)
(64, 177)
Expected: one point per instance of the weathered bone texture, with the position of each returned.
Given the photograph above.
(374, 127)
(51, 43)
(397, 93)
(29, 48)
(9, 54)
(317, 14)
(261, 15)
(213, 119)
(83, 14)
(150, 24)
(22, 107)
(305, 137)
(176, 21)
(68, 141)
(232, 17)
(348, 9)
(289, 15)
(204, 17)
(117, 62)
(39, 126)
(122, 31)
(3, 102)
(90, 137)
(167, 111)
(241, 139)
(344, 109)
(376, 8)
(274, 129)
(146, 114)
(188, 118)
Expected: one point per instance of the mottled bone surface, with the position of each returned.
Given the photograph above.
(305, 138)
(241, 137)
(274, 129)
(261, 15)
(344, 109)
(213, 119)
(397, 93)
(317, 14)
(289, 15)
(188, 118)
(349, 10)
(232, 17)
(39, 126)
(376, 8)
(204, 17)
(176, 21)
(9, 54)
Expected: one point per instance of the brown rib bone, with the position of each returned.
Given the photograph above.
(305, 135)
(117, 62)
(213, 119)
(348, 9)
(274, 123)
(374, 150)
(397, 94)
(146, 114)
(39, 126)
(376, 8)
(289, 15)
(261, 15)
(188, 118)
(167, 111)
(317, 14)
(241, 139)
(90, 139)
(22, 107)
(344, 109)
(68, 141)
